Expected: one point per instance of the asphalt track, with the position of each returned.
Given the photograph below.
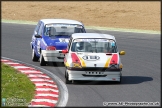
(141, 79)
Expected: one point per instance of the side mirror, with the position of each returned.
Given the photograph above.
(38, 36)
(64, 51)
(122, 53)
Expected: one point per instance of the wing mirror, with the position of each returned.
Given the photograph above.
(64, 51)
(38, 36)
(122, 53)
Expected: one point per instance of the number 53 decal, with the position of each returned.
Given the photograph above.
(64, 40)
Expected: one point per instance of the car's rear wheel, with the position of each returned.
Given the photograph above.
(42, 62)
(67, 78)
(54, 64)
(34, 57)
(74, 81)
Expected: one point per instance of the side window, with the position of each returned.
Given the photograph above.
(37, 27)
(83, 30)
(79, 30)
(68, 47)
(40, 31)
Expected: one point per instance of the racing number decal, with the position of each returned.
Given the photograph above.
(64, 40)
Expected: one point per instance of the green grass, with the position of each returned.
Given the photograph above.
(16, 87)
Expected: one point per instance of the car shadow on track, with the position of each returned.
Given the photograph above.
(135, 79)
(56, 64)
(125, 80)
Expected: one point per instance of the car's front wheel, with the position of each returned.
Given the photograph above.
(67, 77)
(42, 61)
(34, 57)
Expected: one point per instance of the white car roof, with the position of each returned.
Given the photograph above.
(92, 35)
(65, 21)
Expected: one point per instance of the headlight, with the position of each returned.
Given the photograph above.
(76, 65)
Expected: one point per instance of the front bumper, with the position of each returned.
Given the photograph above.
(94, 75)
(53, 56)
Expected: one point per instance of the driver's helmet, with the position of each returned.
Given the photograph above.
(51, 31)
(80, 46)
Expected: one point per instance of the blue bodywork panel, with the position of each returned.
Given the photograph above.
(59, 42)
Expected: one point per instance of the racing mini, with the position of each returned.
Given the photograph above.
(51, 36)
(92, 57)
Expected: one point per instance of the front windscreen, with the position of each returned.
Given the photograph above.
(62, 29)
(94, 45)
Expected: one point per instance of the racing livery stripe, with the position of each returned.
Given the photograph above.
(75, 58)
(82, 61)
(67, 64)
(114, 59)
(107, 62)
(46, 92)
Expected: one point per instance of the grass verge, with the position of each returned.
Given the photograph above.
(16, 88)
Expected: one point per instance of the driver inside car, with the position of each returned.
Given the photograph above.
(80, 47)
(109, 48)
(83, 47)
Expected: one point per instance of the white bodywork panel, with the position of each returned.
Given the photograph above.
(53, 56)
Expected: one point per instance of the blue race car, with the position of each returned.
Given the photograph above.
(51, 36)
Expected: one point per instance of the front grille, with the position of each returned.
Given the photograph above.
(94, 75)
(100, 69)
(60, 57)
(94, 69)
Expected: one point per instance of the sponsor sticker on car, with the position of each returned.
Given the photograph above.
(65, 40)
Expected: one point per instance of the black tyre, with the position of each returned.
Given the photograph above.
(67, 78)
(74, 81)
(42, 62)
(34, 57)
(65, 74)
(54, 64)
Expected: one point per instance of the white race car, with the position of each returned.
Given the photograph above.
(92, 56)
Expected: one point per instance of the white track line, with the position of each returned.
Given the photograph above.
(38, 106)
(38, 75)
(30, 71)
(11, 63)
(3, 60)
(45, 84)
(42, 94)
(41, 79)
(21, 67)
(46, 89)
